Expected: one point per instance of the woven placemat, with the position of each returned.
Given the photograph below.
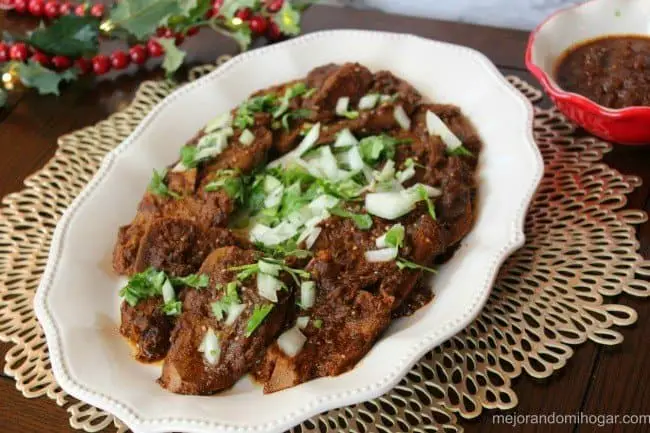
(548, 297)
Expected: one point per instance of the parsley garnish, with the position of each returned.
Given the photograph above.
(407, 264)
(301, 113)
(317, 323)
(258, 316)
(362, 221)
(172, 308)
(157, 185)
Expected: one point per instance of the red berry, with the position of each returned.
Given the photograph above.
(80, 10)
(51, 9)
(4, 52)
(192, 31)
(258, 24)
(273, 32)
(20, 6)
(160, 32)
(216, 5)
(274, 5)
(18, 52)
(138, 54)
(65, 8)
(35, 7)
(179, 38)
(84, 65)
(40, 58)
(119, 60)
(97, 10)
(101, 64)
(244, 14)
(154, 48)
(61, 62)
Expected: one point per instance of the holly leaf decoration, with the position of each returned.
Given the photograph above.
(3, 97)
(142, 17)
(187, 6)
(70, 36)
(243, 36)
(230, 7)
(288, 19)
(44, 80)
(173, 56)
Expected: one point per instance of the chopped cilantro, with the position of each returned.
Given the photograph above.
(460, 151)
(350, 114)
(157, 185)
(188, 156)
(220, 307)
(378, 147)
(395, 236)
(301, 113)
(197, 281)
(422, 192)
(230, 181)
(407, 264)
(172, 308)
(259, 314)
(362, 221)
(317, 323)
(245, 115)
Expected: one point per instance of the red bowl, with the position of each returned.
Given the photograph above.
(578, 23)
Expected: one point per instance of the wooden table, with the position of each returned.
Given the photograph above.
(596, 380)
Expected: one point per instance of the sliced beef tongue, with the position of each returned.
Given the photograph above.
(354, 301)
(186, 369)
(177, 247)
(148, 328)
(208, 209)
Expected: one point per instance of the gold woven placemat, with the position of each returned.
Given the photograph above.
(548, 297)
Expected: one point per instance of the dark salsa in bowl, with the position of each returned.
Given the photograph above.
(613, 71)
(293, 229)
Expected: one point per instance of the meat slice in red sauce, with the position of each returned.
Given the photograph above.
(177, 247)
(185, 370)
(355, 298)
(209, 209)
(147, 326)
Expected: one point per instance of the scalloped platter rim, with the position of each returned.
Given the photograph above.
(77, 303)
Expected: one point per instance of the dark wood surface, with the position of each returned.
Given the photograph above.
(596, 380)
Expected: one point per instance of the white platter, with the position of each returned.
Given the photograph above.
(77, 302)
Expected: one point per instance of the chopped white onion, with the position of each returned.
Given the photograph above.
(168, 291)
(267, 286)
(269, 268)
(291, 341)
(345, 138)
(234, 310)
(272, 236)
(221, 121)
(274, 190)
(436, 126)
(179, 167)
(210, 347)
(402, 118)
(351, 158)
(386, 98)
(312, 237)
(406, 174)
(307, 143)
(382, 255)
(387, 172)
(381, 241)
(391, 205)
(342, 105)
(431, 191)
(302, 322)
(307, 294)
(322, 203)
(247, 137)
(369, 101)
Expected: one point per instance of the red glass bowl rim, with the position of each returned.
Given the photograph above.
(570, 97)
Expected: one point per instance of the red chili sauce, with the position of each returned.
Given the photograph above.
(613, 71)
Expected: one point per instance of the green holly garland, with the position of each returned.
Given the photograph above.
(135, 21)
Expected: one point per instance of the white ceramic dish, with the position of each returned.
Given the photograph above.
(77, 301)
